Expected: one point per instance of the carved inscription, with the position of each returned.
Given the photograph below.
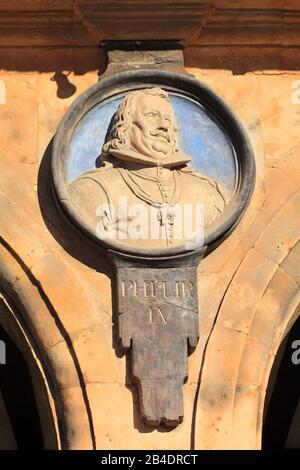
(156, 314)
(158, 322)
(156, 288)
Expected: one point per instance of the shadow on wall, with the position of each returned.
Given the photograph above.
(60, 226)
(242, 59)
(80, 60)
(65, 88)
(58, 61)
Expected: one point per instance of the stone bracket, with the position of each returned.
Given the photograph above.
(135, 55)
(158, 326)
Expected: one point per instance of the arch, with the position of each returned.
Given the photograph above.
(32, 311)
(261, 355)
(25, 402)
(258, 309)
(281, 418)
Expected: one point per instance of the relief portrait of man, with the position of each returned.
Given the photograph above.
(145, 194)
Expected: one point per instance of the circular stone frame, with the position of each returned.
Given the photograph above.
(171, 82)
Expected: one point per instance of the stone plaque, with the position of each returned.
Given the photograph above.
(158, 323)
(155, 168)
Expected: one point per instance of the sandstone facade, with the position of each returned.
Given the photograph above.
(57, 293)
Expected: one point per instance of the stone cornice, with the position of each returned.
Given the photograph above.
(88, 22)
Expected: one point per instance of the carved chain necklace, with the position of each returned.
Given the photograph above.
(165, 215)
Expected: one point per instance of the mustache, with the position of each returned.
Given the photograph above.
(165, 135)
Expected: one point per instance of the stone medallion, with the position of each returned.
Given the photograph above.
(154, 167)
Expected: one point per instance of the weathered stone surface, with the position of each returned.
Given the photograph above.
(66, 377)
(245, 290)
(253, 373)
(45, 327)
(158, 321)
(273, 307)
(279, 109)
(230, 404)
(213, 430)
(223, 354)
(63, 301)
(94, 347)
(291, 165)
(207, 23)
(291, 264)
(283, 232)
(109, 433)
(18, 124)
(52, 86)
(247, 396)
(74, 412)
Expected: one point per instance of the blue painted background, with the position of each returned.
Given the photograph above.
(199, 137)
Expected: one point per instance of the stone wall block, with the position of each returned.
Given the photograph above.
(66, 376)
(66, 295)
(98, 358)
(214, 415)
(282, 233)
(18, 123)
(245, 290)
(224, 349)
(72, 408)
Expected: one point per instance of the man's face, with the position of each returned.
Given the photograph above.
(153, 127)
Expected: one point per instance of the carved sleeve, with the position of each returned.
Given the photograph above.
(89, 198)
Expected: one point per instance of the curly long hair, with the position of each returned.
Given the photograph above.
(119, 134)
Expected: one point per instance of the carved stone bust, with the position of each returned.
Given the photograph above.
(144, 193)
